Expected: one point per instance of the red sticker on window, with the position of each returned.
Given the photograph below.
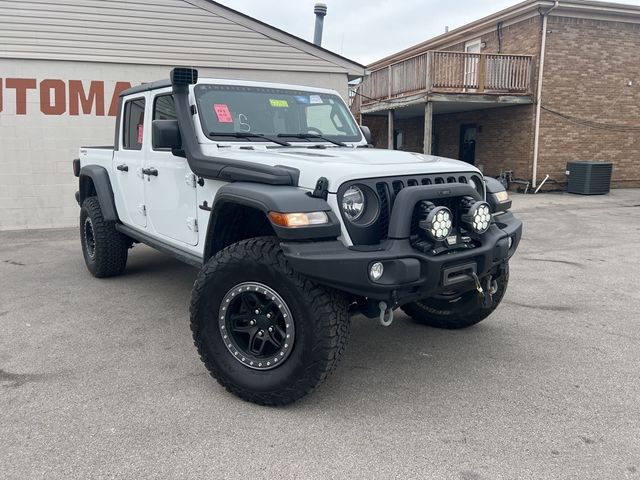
(223, 113)
(140, 132)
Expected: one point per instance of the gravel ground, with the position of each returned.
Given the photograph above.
(100, 378)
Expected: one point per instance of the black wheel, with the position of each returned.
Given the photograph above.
(455, 311)
(265, 333)
(103, 247)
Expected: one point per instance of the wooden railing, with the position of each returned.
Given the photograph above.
(443, 71)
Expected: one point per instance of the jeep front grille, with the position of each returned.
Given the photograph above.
(388, 188)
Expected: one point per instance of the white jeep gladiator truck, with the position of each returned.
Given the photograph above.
(295, 222)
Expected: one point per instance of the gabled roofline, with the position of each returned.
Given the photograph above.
(354, 69)
(522, 10)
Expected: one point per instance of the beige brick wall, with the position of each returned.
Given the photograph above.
(503, 141)
(378, 126)
(587, 68)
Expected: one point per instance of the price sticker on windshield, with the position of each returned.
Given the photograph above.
(278, 103)
(223, 113)
(314, 99)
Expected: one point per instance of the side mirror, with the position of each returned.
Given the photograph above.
(165, 134)
(367, 134)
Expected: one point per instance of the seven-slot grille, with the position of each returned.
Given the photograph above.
(387, 189)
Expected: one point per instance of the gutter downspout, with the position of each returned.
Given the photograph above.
(536, 135)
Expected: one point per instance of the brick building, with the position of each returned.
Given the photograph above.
(528, 89)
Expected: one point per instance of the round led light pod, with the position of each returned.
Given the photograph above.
(439, 223)
(478, 218)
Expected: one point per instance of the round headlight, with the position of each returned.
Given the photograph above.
(439, 222)
(479, 217)
(353, 203)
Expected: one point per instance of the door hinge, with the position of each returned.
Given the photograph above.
(190, 179)
(142, 208)
(192, 224)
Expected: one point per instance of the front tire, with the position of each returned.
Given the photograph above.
(265, 333)
(103, 247)
(457, 312)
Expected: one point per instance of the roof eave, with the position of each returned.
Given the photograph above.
(352, 68)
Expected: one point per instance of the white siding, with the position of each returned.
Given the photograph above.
(157, 32)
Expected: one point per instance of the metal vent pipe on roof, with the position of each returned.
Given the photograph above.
(320, 9)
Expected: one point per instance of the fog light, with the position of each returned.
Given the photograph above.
(478, 217)
(376, 270)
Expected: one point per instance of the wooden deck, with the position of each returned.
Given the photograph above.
(447, 72)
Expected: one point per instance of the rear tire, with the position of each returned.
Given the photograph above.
(249, 288)
(460, 312)
(103, 247)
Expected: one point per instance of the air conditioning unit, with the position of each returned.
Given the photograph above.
(589, 178)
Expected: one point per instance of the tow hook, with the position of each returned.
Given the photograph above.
(493, 285)
(485, 296)
(386, 314)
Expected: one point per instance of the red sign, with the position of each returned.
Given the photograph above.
(223, 113)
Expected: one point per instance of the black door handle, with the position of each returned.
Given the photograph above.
(150, 171)
(123, 168)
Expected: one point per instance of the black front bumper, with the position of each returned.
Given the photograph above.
(408, 273)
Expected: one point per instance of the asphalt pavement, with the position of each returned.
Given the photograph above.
(100, 378)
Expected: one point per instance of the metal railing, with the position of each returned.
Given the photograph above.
(443, 71)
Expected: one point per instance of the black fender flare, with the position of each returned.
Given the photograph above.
(274, 198)
(102, 185)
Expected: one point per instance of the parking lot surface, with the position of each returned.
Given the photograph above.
(100, 378)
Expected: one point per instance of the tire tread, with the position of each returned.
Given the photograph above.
(331, 323)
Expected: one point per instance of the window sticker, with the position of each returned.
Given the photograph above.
(303, 99)
(140, 132)
(313, 99)
(223, 113)
(278, 103)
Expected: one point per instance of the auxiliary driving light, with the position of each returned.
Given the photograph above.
(478, 217)
(438, 223)
(376, 270)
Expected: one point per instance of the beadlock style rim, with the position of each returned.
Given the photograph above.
(256, 326)
(89, 237)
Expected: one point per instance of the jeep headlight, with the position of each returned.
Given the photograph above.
(354, 203)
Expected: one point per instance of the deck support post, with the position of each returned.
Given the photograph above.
(390, 127)
(428, 126)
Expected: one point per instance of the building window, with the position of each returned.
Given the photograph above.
(133, 124)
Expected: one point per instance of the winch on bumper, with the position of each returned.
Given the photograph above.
(408, 273)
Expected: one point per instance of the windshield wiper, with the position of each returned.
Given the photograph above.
(309, 136)
(248, 135)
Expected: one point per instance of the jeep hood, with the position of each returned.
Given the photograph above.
(341, 164)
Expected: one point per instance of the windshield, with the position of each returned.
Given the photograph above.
(230, 109)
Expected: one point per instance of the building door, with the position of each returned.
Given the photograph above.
(468, 134)
(170, 189)
(471, 64)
